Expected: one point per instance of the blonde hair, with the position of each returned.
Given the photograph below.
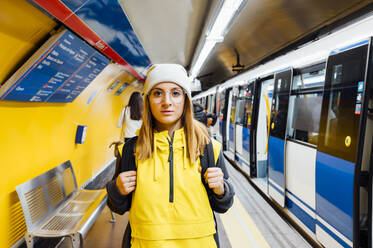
(196, 133)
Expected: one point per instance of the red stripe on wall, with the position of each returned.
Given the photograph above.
(56, 8)
(65, 15)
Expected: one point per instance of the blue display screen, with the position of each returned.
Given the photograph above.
(59, 74)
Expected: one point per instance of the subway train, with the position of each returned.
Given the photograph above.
(297, 120)
(300, 126)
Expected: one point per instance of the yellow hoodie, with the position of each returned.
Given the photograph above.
(170, 206)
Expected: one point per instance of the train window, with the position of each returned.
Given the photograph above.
(309, 80)
(210, 103)
(240, 111)
(280, 103)
(203, 102)
(233, 106)
(244, 106)
(304, 117)
(248, 113)
(305, 105)
(337, 75)
(341, 107)
(221, 103)
(240, 106)
(249, 100)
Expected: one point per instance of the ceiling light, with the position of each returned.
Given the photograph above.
(216, 34)
(206, 49)
(224, 17)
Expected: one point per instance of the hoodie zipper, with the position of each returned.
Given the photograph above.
(171, 164)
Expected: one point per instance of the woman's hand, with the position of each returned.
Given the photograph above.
(214, 178)
(126, 182)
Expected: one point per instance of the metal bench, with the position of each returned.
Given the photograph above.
(54, 207)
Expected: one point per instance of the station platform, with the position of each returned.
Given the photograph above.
(251, 222)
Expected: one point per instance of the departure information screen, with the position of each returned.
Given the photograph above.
(58, 72)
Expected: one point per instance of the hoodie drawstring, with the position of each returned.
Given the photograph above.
(154, 156)
(185, 152)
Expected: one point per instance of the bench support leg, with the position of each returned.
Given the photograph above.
(29, 240)
(112, 217)
(76, 240)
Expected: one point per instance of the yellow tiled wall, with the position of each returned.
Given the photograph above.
(36, 137)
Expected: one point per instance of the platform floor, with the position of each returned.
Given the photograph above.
(251, 222)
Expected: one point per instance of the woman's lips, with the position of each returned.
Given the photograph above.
(167, 112)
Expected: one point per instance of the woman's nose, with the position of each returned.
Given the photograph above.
(166, 99)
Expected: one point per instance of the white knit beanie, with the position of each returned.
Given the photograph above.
(175, 73)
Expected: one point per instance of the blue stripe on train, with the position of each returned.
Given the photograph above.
(300, 200)
(276, 160)
(302, 215)
(276, 188)
(305, 218)
(221, 128)
(246, 139)
(241, 160)
(231, 132)
(334, 192)
(308, 220)
(231, 138)
(349, 47)
(333, 235)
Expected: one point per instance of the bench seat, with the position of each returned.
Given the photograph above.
(54, 207)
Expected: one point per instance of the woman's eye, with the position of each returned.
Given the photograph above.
(176, 93)
(157, 93)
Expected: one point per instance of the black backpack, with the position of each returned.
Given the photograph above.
(207, 160)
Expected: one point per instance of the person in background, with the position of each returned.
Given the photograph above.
(211, 119)
(207, 118)
(168, 204)
(199, 113)
(130, 117)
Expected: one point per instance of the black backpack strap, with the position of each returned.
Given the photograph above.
(126, 241)
(207, 159)
(119, 204)
(127, 161)
(210, 154)
(130, 151)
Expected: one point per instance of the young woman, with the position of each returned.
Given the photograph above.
(168, 202)
(130, 117)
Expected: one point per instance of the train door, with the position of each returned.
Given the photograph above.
(211, 110)
(203, 102)
(210, 103)
(252, 125)
(220, 102)
(343, 149)
(301, 144)
(262, 131)
(214, 111)
(276, 141)
(244, 106)
(239, 112)
(231, 115)
(226, 117)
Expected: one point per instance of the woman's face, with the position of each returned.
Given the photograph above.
(166, 102)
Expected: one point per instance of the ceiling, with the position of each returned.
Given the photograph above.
(171, 31)
(168, 30)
